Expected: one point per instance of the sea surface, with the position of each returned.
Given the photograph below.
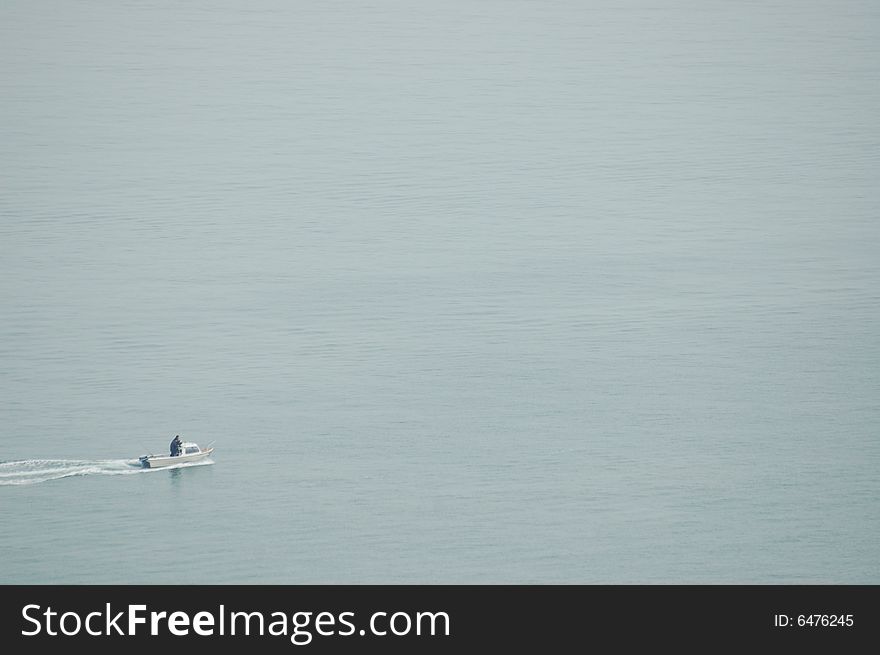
(464, 292)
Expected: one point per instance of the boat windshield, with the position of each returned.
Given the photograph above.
(192, 449)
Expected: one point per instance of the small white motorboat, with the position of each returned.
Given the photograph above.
(189, 452)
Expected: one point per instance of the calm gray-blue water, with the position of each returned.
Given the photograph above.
(464, 292)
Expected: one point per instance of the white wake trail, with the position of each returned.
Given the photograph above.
(34, 471)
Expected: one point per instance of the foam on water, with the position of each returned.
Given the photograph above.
(33, 471)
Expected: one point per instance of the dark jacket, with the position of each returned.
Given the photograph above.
(175, 447)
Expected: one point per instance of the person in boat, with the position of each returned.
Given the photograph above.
(175, 446)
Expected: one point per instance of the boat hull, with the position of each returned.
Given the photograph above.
(162, 461)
